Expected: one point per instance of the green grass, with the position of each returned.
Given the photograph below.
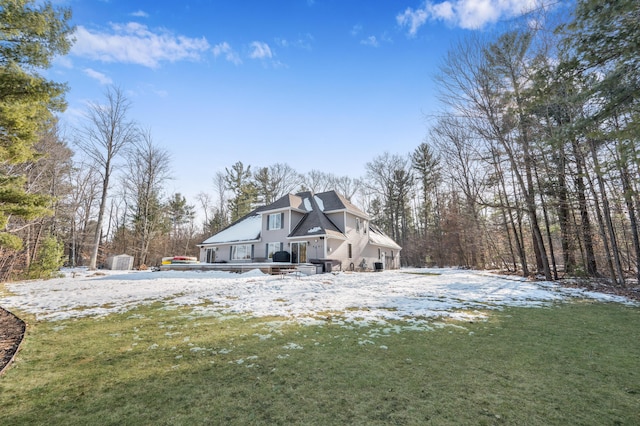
(569, 364)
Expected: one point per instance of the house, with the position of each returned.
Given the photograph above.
(322, 228)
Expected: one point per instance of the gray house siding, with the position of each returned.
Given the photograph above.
(338, 219)
(296, 217)
(268, 235)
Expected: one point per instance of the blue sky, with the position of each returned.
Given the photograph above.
(316, 84)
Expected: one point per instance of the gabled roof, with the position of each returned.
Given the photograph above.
(288, 201)
(246, 229)
(314, 222)
(331, 201)
(379, 238)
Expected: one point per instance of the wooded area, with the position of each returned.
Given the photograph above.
(531, 166)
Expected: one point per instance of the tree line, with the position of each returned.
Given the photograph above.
(536, 149)
(530, 166)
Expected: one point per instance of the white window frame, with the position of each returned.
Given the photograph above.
(275, 221)
(273, 246)
(241, 252)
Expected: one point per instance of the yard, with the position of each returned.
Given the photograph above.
(398, 347)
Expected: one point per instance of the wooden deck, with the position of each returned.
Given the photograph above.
(274, 268)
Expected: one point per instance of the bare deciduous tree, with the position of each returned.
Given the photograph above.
(148, 168)
(107, 134)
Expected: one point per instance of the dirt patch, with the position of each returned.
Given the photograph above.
(12, 331)
(631, 290)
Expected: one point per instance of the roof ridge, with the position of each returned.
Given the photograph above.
(322, 220)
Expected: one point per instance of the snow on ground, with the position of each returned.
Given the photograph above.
(409, 294)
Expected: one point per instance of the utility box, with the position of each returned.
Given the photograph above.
(306, 269)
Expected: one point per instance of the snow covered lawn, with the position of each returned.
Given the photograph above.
(409, 294)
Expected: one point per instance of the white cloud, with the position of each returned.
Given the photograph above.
(140, 14)
(134, 43)
(229, 54)
(304, 42)
(96, 75)
(413, 19)
(260, 50)
(467, 14)
(63, 61)
(370, 41)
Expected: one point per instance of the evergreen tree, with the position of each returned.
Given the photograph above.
(31, 34)
(606, 38)
(181, 216)
(239, 182)
(49, 259)
(427, 166)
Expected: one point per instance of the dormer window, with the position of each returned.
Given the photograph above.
(275, 221)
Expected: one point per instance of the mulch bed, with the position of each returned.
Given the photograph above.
(12, 331)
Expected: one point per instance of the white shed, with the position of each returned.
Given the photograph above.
(121, 262)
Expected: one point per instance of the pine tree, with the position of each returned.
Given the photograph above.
(31, 34)
(239, 182)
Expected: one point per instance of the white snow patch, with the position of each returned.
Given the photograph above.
(254, 273)
(307, 205)
(378, 238)
(292, 345)
(314, 229)
(245, 230)
(319, 202)
(355, 299)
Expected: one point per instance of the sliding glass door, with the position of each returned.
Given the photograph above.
(299, 252)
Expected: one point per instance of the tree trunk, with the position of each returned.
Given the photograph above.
(591, 267)
(98, 233)
(628, 198)
(607, 216)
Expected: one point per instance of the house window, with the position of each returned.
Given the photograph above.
(275, 221)
(379, 254)
(358, 225)
(272, 248)
(350, 251)
(241, 252)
